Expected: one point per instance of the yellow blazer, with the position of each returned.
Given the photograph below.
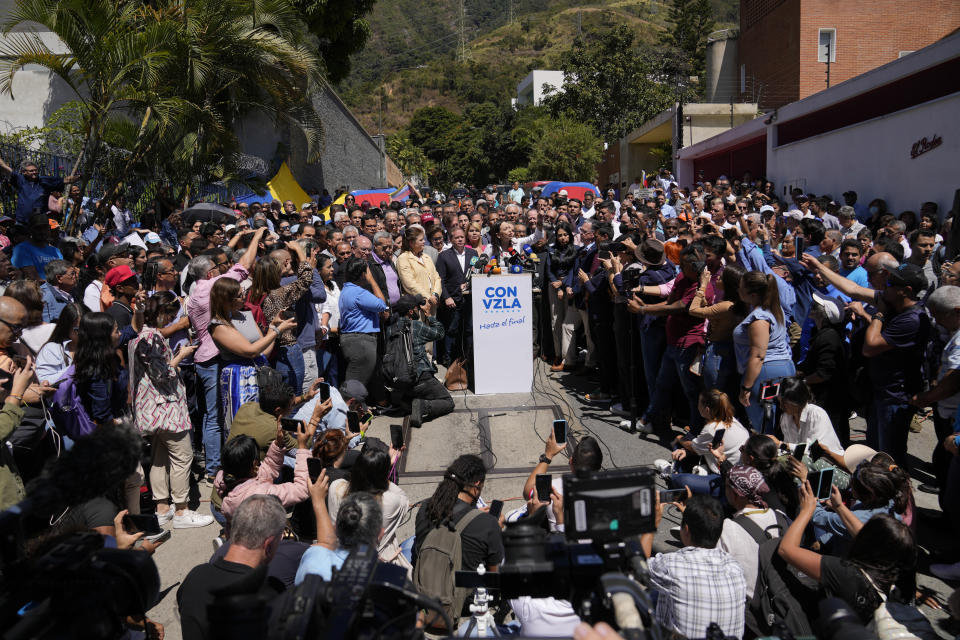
(418, 276)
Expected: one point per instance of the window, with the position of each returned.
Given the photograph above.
(828, 42)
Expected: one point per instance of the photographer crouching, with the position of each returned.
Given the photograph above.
(427, 398)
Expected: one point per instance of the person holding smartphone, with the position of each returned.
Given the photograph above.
(159, 401)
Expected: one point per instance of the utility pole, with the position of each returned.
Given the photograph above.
(462, 40)
(828, 64)
(731, 112)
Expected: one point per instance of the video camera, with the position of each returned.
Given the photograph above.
(363, 599)
(604, 513)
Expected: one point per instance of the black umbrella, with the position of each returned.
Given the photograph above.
(208, 212)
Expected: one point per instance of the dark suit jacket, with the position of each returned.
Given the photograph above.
(451, 275)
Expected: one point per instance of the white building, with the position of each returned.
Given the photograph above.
(533, 88)
(890, 133)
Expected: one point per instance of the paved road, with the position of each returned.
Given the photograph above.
(509, 429)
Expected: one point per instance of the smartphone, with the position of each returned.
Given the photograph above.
(544, 485)
(353, 422)
(324, 391)
(560, 431)
(287, 314)
(673, 495)
(366, 419)
(290, 424)
(717, 438)
(800, 243)
(396, 436)
(314, 467)
(816, 451)
(799, 450)
(770, 391)
(496, 506)
(163, 537)
(820, 482)
(146, 522)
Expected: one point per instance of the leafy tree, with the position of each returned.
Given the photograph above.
(341, 29)
(409, 158)
(691, 21)
(567, 150)
(612, 84)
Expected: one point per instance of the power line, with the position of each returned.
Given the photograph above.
(462, 41)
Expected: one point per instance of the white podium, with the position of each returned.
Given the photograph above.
(502, 333)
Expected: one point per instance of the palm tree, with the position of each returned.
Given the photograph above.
(182, 74)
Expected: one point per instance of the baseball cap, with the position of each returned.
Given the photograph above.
(54, 224)
(152, 238)
(830, 308)
(426, 217)
(353, 389)
(796, 214)
(857, 453)
(117, 275)
(907, 275)
(107, 251)
(406, 303)
(766, 208)
(563, 192)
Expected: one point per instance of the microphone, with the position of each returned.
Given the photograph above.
(527, 249)
(474, 260)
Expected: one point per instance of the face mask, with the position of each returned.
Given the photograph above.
(874, 210)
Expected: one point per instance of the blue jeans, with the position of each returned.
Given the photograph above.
(675, 368)
(710, 485)
(218, 515)
(327, 366)
(290, 365)
(720, 367)
(888, 425)
(653, 341)
(212, 432)
(773, 370)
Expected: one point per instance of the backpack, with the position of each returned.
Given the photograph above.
(437, 563)
(780, 598)
(68, 412)
(397, 365)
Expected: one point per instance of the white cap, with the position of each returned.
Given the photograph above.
(796, 214)
(766, 207)
(152, 238)
(731, 198)
(563, 192)
(706, 216)
(830, 308)
(229, 227)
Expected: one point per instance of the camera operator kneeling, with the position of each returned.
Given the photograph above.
(428, 398)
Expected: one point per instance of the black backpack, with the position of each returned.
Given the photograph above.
(397, 366)
(780, 596)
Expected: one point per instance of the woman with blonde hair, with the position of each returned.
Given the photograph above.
(418, 275)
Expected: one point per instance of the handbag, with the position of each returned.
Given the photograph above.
(456, 378)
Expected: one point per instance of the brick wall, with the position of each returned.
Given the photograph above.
(769, 51)
(870, 33)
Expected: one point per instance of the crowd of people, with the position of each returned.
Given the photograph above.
(744, 329)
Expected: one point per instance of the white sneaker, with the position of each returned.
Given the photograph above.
(644, 427)
(164, 518)
(663, 467)
(191, 519)
(949, 572)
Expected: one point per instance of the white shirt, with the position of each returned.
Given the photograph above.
(906, 247)
(738, 543)
(545, 617)
(733, 438)
(91, 295)
(52, 361)
(814, 425)
(331, 305)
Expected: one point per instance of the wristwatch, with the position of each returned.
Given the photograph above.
(746, 388)
(877, 316)
(544, 459)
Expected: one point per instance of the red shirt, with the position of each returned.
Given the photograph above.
(684, 330)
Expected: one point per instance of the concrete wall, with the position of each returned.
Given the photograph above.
(873, 158)
(723, 72)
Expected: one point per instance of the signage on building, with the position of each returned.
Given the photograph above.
(923, 145)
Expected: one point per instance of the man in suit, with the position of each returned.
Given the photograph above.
(381, 266)
(577, 291)
(453, 265)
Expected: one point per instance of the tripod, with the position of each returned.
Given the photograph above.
(481, 620)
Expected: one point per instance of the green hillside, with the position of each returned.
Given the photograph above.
(411, 60)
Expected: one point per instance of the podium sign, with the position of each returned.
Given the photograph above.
(503, 333)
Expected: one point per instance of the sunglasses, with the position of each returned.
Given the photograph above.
(15, 329)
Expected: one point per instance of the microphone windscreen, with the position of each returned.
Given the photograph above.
(527, 249)
(473, 260)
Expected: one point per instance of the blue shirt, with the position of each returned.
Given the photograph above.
(305, 310)
(359, 310)
(26, 254)
(778, 348)
(33, 195)
(858, 275)
(320, 561)
(54, 300)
